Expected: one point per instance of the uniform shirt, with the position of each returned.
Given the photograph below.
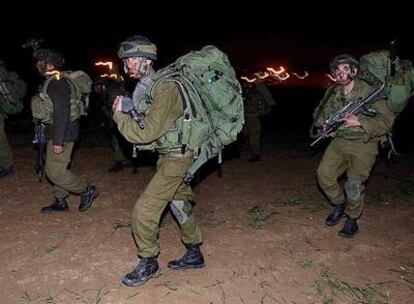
(371, 127)
(62, 128)
(167, 107)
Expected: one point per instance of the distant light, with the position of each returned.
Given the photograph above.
(113, 75)
(283, 76)
(273, 71)
(261, 75)
(108, 63)
(305, 74)
(248, 79)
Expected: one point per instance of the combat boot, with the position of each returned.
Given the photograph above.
(6, 172)
(60, 205)
(350, 228)
(146, 269)
(87, 198)
(335, 216)
(254, 158)
(193, 258)
(116, 166)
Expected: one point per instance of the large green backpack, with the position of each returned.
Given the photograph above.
(213, 114)
(376, 67)
(80, 88)
(12, 91)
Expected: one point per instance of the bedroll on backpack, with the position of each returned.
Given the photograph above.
(376, 68)
(213, 114)
(80, 88)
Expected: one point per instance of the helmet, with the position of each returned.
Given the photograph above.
(343, 58)
(137, 46)
(49, 56)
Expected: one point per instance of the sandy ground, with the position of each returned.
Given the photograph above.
(263, 224)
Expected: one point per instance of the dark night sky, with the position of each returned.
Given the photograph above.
(254, 37)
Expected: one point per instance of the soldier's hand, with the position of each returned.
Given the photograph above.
(57, 149)
(332, 134)
(351, 121)
(117, 106)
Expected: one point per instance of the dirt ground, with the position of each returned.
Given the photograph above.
(263, 225)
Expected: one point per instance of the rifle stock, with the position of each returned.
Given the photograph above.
(40, 145)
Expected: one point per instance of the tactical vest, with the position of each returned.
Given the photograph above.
(42, 103)
(143, 100)
(336, 101)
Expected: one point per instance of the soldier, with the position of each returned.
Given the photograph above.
(107, 90)
(12, 91)
(354, 147)
(162, 125)
(61, 133)
(257, 103)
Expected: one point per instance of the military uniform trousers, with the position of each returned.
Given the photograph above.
(117, 152)
(6, 156)
(63, 179)
(252, 132)
(166, 186)
(356, 159)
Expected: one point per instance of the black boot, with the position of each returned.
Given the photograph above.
(60, 205)
(117, 166)
(254, 158)
(87, 198)
(335, 216)
(146, 269)
(193, 258)
(350, 228)
(6, 172)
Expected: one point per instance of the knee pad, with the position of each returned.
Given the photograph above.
(353, 189)
(181, 210)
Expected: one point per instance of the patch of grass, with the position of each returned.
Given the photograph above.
(260, 218)
(330, 288)
(29, 297)
(306, 263)
(50, 249)
(171, 285)
(312, 204)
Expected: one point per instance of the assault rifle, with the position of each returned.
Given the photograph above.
(352, 108)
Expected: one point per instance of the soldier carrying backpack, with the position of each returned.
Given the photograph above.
(57, 108)
(12, 91)
(187, 112)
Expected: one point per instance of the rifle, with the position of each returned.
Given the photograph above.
(351, 108)
(39, 142)
(128, 107)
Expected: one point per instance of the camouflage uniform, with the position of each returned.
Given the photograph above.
(255, 106)
(6, 156)
(166, 186)
(13, 89)
(353, 150)
(62, 133)
(109, 90)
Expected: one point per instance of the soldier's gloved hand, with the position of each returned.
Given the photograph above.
(127, 104)
(117, 105)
